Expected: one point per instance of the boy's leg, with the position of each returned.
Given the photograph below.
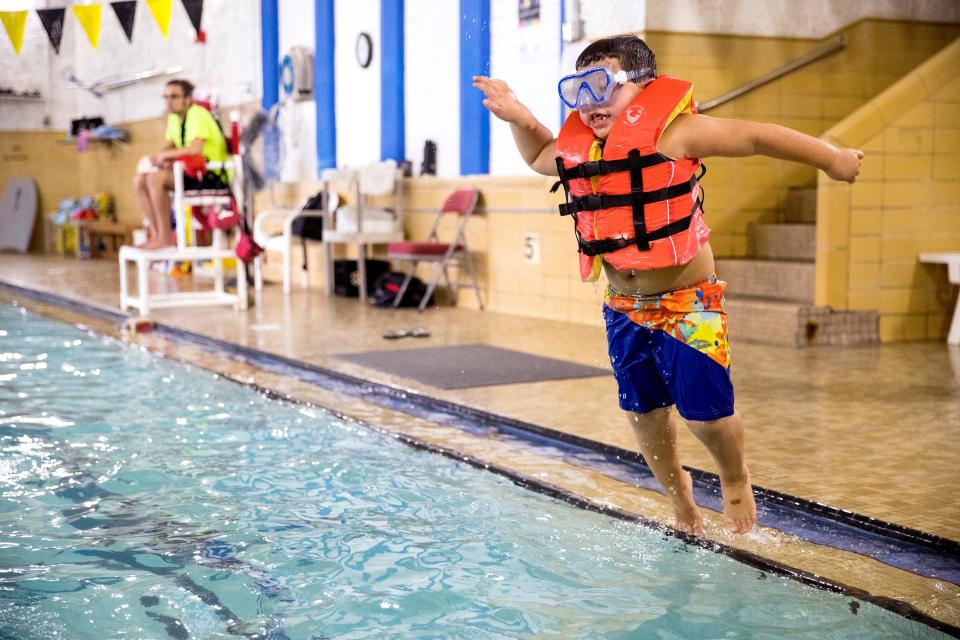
(724, 439)
(657, 436)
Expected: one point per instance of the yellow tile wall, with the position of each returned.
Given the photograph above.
(906, 202)
(62, 172)
(52, 166)
(811, 100)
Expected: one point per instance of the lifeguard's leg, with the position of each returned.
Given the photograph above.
(146, 205)
(158, 183)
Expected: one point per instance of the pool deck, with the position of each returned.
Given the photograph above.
(872, 430)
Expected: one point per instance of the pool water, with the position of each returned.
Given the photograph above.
(142, 499)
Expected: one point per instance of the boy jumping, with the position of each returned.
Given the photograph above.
(628, 159)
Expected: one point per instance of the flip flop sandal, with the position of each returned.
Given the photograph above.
(419, 332)
(394, 334)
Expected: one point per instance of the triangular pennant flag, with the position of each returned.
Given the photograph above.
(89, 17)
(194, 11)
(161, 13)
(52, 20)
(13, 22)
(126, 11)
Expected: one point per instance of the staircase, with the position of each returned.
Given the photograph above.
(770, 294)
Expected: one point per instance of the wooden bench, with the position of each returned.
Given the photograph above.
(952, 260)
(89, 232)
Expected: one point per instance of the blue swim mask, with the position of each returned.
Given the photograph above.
(594, 86)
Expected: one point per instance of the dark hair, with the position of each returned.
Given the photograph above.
(187, 87)
(629, 50)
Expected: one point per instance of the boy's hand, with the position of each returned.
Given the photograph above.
(500, 100)
(845, 165)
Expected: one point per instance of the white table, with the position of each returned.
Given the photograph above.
(952, 260)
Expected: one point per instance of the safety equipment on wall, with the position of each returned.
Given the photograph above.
(595, 85)
(634, 206)
(296, 73)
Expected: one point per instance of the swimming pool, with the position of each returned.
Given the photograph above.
(143, 499)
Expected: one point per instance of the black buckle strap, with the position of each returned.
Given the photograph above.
(603, 167)
(595, 202)
(605, 201)
(596, 247)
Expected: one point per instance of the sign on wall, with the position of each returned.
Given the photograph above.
(529, 12)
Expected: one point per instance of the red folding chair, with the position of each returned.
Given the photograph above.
(462, 203)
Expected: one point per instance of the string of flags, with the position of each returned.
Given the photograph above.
(89, 17)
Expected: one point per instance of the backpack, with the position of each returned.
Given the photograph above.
(310, 228)
(388, 285)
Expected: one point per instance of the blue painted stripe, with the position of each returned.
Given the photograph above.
(563, 20)
(393, 144)
(324, 85)
(474, 61)
(270, 52)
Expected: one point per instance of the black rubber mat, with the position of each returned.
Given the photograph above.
(470, 365)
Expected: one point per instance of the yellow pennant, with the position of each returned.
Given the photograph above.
(13, 22)
(161, 13)
(89, 17)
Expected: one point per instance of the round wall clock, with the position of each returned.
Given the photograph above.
(364, 49)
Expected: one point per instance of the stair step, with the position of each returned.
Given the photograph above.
(801, 205)
(764, 321)
(769, 279)
(799, 325)
(782, 241)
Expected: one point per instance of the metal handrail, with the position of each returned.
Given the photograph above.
(813, 56)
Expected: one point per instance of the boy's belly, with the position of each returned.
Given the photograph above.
(648, 282)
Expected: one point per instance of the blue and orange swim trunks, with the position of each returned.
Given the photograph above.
(671, 348)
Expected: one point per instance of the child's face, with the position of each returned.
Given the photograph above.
(600, 118)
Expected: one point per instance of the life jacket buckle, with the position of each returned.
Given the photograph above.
(590, 203)
(590, 169)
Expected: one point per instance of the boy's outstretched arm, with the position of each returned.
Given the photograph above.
(699, 136)
(536, 144)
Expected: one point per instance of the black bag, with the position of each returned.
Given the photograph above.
(310, 228)
(387, 287)
(346, 276)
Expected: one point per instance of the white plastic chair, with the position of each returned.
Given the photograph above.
(218, 250)
(360, 223)
(283, 242)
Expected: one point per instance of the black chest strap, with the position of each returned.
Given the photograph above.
(636, 196)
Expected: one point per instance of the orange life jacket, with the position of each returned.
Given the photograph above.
(636, 207)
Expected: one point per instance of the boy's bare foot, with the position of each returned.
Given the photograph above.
(739, 507)
(688, 517)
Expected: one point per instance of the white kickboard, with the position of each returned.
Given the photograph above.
(18, 212)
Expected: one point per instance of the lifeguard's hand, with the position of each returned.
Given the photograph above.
(500, 100)
(846, 165)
